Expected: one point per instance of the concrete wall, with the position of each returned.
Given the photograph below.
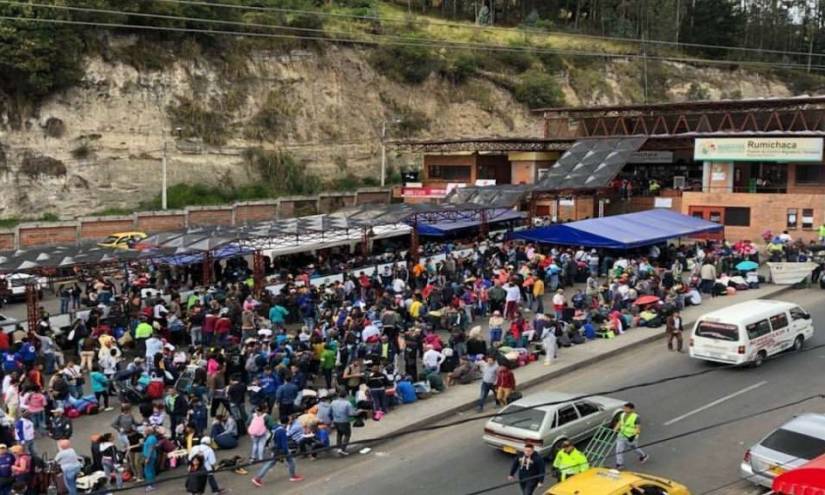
(96, 228)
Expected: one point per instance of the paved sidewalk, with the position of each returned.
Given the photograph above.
(459, 398)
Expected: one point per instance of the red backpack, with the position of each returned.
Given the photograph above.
(155, 389)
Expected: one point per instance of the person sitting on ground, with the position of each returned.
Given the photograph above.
(466, 372)
(225, 431)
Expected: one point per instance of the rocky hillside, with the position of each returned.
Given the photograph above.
(99, 145)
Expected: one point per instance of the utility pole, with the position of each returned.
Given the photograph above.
(383, 152)
(163, 172)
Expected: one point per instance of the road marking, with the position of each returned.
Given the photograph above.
(715, 403)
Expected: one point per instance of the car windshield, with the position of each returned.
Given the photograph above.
(795, 444)
(718, 331)
(521, 417)
(20, 281)
(110, 240)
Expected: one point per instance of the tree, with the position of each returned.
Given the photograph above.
(712, 22)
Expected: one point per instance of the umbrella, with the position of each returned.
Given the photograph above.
(643, 300)
(747, 265)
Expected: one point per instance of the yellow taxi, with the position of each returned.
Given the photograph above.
(122, 240)
(603, 481)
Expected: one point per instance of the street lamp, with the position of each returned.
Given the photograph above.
(384, 123)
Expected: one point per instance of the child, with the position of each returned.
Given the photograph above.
(158, 416)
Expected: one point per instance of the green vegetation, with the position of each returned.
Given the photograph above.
(281, 173)
(697, 92)
(409, 64)
(197, 122)
(538, 90)
(590, 83)
(10, 223)
(271, 118)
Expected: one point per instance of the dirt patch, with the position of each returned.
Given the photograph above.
(38, 165)
(54, 127)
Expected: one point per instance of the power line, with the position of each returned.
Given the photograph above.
(424, 44)
(401, 20)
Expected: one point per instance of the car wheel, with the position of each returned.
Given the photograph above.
(798, 343)
(556, 448)
(760, 358)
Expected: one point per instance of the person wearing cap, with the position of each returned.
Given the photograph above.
(569, 461)
(61, 428)
(6, 463)
(69, 463)
(204, 449)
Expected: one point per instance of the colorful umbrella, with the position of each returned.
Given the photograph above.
(643, 300)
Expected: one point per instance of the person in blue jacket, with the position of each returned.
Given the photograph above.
(6, 462)
(280, 452)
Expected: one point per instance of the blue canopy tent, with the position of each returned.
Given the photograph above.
(445, 228)
(628, 231)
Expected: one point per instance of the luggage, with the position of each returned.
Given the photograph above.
(155, 389)
(514, 396)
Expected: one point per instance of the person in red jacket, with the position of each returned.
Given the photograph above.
(505, 384)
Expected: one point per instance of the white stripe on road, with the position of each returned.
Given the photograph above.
(715, 403)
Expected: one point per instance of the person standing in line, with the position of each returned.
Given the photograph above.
(628, 430)
(280, 451)
(674, 331)
(489, 373)
(342, 410)
(530, 469)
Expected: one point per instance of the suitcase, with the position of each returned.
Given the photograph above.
(514, 396)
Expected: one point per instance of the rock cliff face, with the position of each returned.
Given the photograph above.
(99, 145)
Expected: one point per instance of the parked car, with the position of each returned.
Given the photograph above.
(123, 240)
(16, 285)
(791, 445)
(546, 427)
(603, 481)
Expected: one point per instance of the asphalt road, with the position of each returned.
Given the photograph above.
(455, 461)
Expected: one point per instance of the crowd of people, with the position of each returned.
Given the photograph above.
(297, 369)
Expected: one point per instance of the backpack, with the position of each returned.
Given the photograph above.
(257, 427)
(155, 389)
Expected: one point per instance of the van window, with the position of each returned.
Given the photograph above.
(719, 331)
(521, 417)
(798, 314)
(567, 414)
(779, 321)
(758, 329)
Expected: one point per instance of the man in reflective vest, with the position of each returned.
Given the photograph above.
(570, 461)
(628, 435)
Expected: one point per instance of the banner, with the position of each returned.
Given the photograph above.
(790, 273)
(779, 149)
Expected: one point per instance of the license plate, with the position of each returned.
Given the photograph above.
(509, 450)
(776, 470)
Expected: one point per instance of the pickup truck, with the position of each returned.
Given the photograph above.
(16, 285)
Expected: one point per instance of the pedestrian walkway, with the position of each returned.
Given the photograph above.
(461, 398)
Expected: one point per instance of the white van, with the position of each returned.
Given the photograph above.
(750, 331)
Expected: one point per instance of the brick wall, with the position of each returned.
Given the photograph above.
(210, 216)
(100, 227)
(328, 203)
(373, 197)
(6, 241)
(44, 234)
(255, 212)
(161, 221)
(767, 211)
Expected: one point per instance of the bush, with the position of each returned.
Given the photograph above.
(513, 58)
(405, 63)
(271, 118)
(195, 122)
(537, 90)
(281, 173)
(697, 92)
(460, 68)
